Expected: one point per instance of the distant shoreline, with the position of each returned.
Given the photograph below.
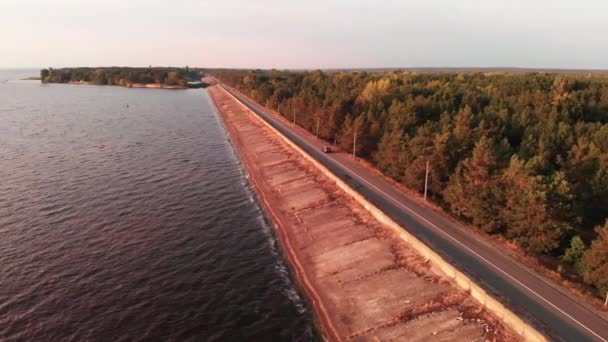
(151, 77)
(131, 85)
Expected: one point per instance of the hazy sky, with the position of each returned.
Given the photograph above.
(304, 34)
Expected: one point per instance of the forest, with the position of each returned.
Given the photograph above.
(175, 77)
(521, 155)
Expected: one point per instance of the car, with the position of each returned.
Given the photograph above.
(326, 149)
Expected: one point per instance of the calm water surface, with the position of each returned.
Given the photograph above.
(123, 223)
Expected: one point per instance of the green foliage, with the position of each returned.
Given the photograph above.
(375, 91)
(472, 189)
(44, 73)
(521, 155)
(123, 76)
(573, 255)
(596, 260)
(536, 207)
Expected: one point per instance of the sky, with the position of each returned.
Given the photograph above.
(304, 34)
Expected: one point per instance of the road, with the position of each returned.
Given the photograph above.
(546, 305)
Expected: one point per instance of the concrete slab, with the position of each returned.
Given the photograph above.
(441, 326)
(382, 298)
(285, 177)
(319, 216)
(321, 246)
(353, 261)
(296, 186)
(268, 158)
(304, 199)
(279, 167)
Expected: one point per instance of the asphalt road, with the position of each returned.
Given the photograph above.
(546, 305)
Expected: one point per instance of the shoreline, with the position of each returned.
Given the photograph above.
(269, 216)
(132, 85)
(286, 249)
(345, 309)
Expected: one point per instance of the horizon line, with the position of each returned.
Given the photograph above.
(414, 68)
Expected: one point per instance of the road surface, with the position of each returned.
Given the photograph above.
(546, 305)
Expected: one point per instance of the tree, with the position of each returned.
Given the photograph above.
(596, 260)
(171, 79)
(391, 150)
(468, 126)
(101, 78)
(574, 254)
(587, 170)
(376, 90)
(121, 76)
(44, 74)
(345, 137)
(473, 190)
(440, 163)
(462, 129)
(536, 207)
(389, 157)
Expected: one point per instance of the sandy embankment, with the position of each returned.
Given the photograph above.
(364, 282)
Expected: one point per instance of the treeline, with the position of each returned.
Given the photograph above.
(176, 77)
(520, 155)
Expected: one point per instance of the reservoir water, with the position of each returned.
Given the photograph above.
(125, 216)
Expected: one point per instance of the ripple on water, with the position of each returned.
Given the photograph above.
(133, 225)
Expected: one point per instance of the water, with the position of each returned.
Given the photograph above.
(125, 216)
